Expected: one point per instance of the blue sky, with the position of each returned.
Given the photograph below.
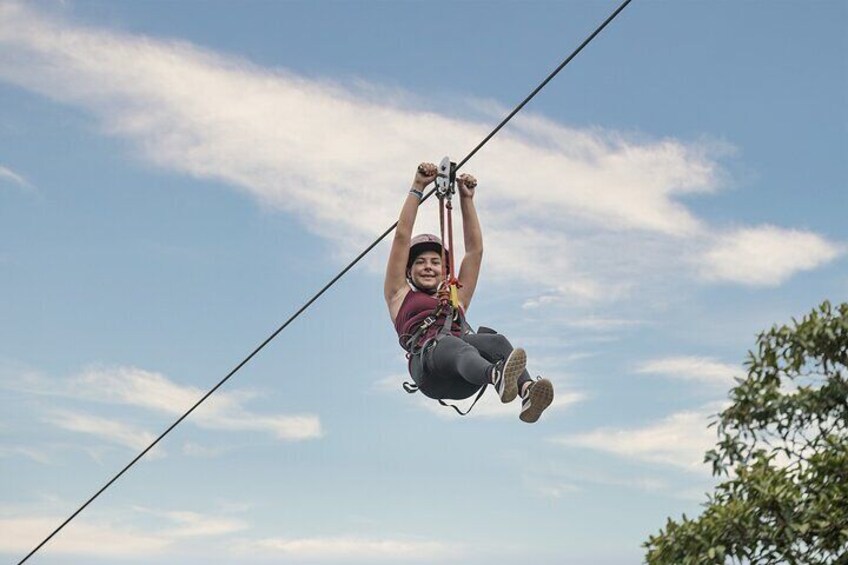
(177, 178)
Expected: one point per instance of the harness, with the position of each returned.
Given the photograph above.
(449, 310)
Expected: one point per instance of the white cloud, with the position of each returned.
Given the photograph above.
(113, 538)
(187, 524)
(296, 143)
(352, 548)
(766, 255)
(690, 368)
(558, 488)
(132, 386)
(21, 534)
(221, 411)
(680, 440)
(582, 215)
(113, 431)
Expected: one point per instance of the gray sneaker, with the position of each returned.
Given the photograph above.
(505, 374)
(536, 399)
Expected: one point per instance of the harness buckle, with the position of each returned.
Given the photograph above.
(410, 343)
(428, 321)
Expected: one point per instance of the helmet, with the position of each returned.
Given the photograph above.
(421, 243)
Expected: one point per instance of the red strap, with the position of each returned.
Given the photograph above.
(449, 278)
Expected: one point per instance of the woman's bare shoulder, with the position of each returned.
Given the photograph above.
(396, 301)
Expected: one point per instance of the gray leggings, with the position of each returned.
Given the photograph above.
(456, 367)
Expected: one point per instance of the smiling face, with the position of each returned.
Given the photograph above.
(426, 271)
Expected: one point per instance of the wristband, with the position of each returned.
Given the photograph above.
(419, 194)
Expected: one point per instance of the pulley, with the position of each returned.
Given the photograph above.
(446, 178)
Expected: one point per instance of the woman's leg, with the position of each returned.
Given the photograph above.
(450, 369)
(454, 358)
(494, 347)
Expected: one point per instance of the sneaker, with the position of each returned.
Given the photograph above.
(535, 399)
(505, 374)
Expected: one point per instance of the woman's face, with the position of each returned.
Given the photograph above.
(426, 270)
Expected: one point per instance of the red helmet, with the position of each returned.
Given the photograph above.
(421, 243)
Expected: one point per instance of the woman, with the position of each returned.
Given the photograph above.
(451, 363)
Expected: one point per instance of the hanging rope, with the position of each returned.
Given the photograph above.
(446, 188)
(452, 281)
(324, 289)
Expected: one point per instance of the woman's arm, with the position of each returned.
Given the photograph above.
(396, 268)
(469, 271)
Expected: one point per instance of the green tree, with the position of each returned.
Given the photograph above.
(783, 450)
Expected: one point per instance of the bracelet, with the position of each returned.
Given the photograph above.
(419, 194)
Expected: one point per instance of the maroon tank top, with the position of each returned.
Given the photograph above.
(413, 311)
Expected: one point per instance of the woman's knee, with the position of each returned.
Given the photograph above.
(504, 341)
(501, 345)
(492, 346)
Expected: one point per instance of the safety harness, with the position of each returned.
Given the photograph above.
(448, 310)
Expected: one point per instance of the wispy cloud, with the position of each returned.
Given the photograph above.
(688, 368)
(196, 450)
(131, 386)
(585, 215)
(556, 490)
(35, 454)
(116, 538)
(134, 535)
(679, 440)
(7, 175)
(295, 144)
(188, 524)
(20, 534)
(222, 411)
(562, 488)
(219, 117)
(113, 431)
(766, 255)
(355, 548)
(600, 324)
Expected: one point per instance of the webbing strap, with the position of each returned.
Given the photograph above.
(449, 282)
(460, 412)
(410, 343)
(412, 388)
(447, 272)
(452, 258)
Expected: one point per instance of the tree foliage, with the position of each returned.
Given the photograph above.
(783, 448)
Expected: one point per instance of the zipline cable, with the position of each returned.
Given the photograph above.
(326, 287)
